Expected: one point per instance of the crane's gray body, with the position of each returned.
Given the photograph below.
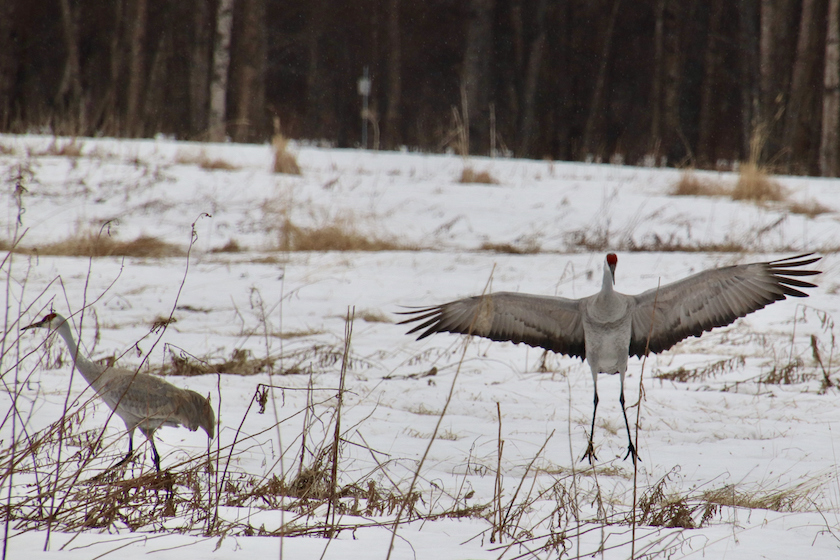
(608, 327)
(142, 401)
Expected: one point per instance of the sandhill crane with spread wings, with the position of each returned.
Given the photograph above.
(608, 327)
(142, 401)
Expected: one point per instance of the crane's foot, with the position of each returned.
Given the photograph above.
(126, 459)
(590, 454)
(631, 452)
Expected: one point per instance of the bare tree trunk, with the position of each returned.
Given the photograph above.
(831, 95)
(532, 74)
(802, 68)
(748, 42)
(8, 63)
(70, 94)
(108, 118)
(656, 86)
(249, 74)
(392, 113)
(475, 76)
(219, 80)
(765, 54)
(600, 82)
(711, 64)
(155, 99)
(137, 70)
(672, 139)
(202, 45)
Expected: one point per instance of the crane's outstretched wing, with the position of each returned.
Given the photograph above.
(714, 298)
(553, 323)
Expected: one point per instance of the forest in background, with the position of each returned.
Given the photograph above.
(699, 83)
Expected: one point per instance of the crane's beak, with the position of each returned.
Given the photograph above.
(612, 271)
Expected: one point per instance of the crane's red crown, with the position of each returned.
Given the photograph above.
(612, 259)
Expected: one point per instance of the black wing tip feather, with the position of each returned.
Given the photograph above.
(783, 269)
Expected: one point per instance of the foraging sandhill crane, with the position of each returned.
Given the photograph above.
(607, 327)
(142, 401)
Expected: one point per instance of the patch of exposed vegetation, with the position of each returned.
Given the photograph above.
(201, 159)
(284, 161)
(469, 175)
(691, 185)
(92, 245)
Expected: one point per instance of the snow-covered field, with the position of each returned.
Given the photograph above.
(736, 429)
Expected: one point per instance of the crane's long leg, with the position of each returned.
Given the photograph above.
(590, 450)
(130, 449)
(155, 454)
(631, 449)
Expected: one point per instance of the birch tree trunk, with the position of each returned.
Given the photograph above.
(219, 79)
(831, 95)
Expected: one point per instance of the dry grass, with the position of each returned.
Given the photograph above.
(690, 185)
(92, 245)
(341, 235)
(67, 148)
(284, 161)
(469, 175)
(372, 316)
(201, 159)
(530, 247)
(754, 184)
(810, 208)
(230, 247)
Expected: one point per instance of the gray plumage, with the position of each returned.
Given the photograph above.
(142, 401)
(608, 327)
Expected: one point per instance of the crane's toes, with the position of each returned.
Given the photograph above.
(631, 451)
(590, 454)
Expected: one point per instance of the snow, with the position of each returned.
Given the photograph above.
(726, 430)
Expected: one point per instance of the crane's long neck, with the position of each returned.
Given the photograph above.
(89, 370)
(608, 282)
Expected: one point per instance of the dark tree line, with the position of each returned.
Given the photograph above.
(689, 82)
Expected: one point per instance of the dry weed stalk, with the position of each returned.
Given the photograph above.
(284, 161)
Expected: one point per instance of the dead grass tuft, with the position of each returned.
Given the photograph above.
(690, 185)
(338, 236)
(284, 161)
(810, 208)
(469, 175)
(92, 245)
(530, 247)
(241, 362)
(794, 498)
(230, 247)
(202, 160)
(684, 375)
(67, 148)
(755, 185)
(372, 316)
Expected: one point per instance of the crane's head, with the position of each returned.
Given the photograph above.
(199, 413)
(612, 260)
(50, 321)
